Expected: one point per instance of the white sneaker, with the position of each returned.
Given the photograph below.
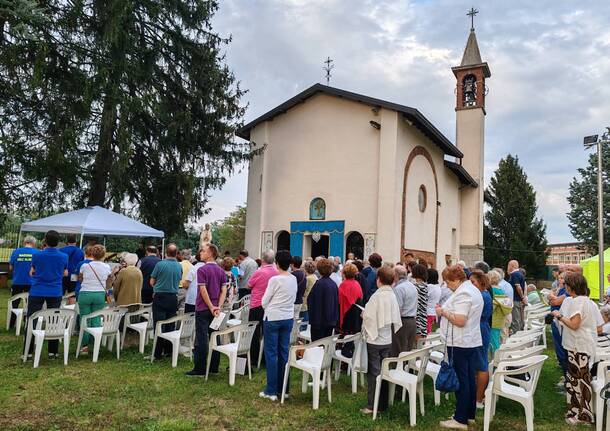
(453, 424)
(481, 405)
(269, 397)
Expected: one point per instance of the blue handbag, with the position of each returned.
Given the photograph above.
(447, 380)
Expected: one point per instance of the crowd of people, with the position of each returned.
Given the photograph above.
(393, 305)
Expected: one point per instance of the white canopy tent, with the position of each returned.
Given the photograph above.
(95, 221)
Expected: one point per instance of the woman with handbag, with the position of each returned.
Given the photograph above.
(93, 277)
(581, 321)
(460, 325)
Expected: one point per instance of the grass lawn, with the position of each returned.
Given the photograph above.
(133, 394)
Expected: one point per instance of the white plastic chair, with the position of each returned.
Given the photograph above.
(294, 338)
(317, 359)
(187, 336)
(19, 312)
(353, 368)
(174, 336)
(305, 335)
(599, 381)
(133, 322)
(111, 320)
(51, 324)
(65, 299)
(402, 376)
(240, 316)
(523, 394)
(243, 301)
(241, 340)
(437, 354)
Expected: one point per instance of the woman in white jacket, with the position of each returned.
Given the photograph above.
(380, 318)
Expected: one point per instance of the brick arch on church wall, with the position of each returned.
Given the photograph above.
(426, 255)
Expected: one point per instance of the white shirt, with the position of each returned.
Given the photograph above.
(434, 297)
(583, 339)
(336, 278)
(191, 277)
(90, 282)
(467, 301)
(606, 328)
(278, 300)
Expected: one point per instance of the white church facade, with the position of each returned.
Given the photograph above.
(340, 172)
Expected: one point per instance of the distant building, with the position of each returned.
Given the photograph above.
(566, 253)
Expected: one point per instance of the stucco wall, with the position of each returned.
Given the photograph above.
(420, 227)
(324, 147)
(419, 235)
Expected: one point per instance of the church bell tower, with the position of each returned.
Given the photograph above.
(470, 93)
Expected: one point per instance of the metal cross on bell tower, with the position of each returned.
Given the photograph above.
(472, 13)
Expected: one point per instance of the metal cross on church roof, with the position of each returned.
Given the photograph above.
(328, 68)
(472, 13)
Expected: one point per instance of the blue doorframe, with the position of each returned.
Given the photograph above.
(335, 229)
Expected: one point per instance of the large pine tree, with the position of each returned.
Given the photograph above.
(126, 104)
(512, 230)
(583, 202)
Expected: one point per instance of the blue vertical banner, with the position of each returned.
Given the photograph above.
(336, 244)
(296, 244)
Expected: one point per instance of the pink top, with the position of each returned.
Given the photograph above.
(258, 282)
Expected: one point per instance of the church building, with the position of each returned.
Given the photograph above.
(339, 172)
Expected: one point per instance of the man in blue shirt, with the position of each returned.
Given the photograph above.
(48, 268)
(165, 280)
(75, 256)
(147, 265)
(370, 275)
(20, 265)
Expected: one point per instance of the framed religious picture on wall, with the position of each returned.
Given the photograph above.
(317, 209)
(266, 241)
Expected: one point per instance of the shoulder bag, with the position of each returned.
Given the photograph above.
(447, 380)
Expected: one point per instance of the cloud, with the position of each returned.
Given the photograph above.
(549, 62)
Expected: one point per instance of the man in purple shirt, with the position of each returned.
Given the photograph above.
(212, 289)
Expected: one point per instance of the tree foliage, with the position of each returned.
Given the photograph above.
(127, 104)
(229, 234)
(512, 230)
(583, 202)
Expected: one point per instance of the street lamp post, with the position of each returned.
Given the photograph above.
(589, 142)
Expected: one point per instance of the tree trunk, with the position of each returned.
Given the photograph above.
(100, 171)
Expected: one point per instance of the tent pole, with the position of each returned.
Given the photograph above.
(19, 239)
(81, 239)
(163, 248)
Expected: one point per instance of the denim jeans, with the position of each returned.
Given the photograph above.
(277, 341)
(560, 352)
(165, 306)
(202, 343)
(465, 364)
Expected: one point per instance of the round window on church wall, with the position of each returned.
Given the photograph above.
(422, 198)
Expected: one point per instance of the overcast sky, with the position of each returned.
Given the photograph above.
(550, 65)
